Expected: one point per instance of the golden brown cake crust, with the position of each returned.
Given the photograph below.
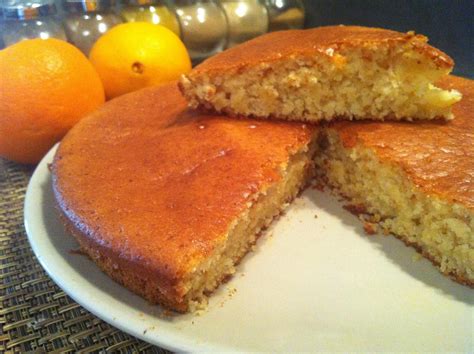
(149, 187)
(437, 156)
(321, 40)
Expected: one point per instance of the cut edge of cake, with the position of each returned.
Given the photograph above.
(439, 230)
(378, 79)
(263, 207)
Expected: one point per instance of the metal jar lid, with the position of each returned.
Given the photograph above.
(28, 11)
(81, 6)
(140, 2)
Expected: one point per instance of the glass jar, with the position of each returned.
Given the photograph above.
(285, 14)
(27, 20)
(152, 11)
(87, 20)
(246, 18)
(203, 27)
(2, 45)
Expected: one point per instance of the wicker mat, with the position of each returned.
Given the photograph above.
(35, 314)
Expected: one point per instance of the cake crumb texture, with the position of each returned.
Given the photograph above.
(417, 179)
(343, 72)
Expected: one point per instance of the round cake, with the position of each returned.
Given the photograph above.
(165, 200)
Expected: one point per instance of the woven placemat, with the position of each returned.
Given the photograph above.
(35, 314)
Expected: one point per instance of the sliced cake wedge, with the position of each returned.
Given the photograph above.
(346, 72)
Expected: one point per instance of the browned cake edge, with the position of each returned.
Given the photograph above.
(118, 269)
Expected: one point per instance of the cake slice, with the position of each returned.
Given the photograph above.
(167, 201)
(324, 73)
(415, 180)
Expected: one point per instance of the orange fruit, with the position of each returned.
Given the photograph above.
(46, 86)
(138, 54)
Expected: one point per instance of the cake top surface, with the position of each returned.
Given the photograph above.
(146, 178)
(321, 40)
(437, 156)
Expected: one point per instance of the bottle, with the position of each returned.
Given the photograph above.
(203, 27)
(28, 20)
(152, 11)
(285, 14)
(246, 18)
(87, 20)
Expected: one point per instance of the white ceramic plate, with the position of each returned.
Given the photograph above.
(315, 282)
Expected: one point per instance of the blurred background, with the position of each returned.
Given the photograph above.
(207, 27)
(449, 24)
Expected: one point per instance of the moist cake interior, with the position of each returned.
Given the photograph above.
(390, 85)
(383, 194)
(242, 235)
(441, 231)
(380, 81)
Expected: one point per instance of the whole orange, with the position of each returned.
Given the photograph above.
(135, 55)
(46, 86)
